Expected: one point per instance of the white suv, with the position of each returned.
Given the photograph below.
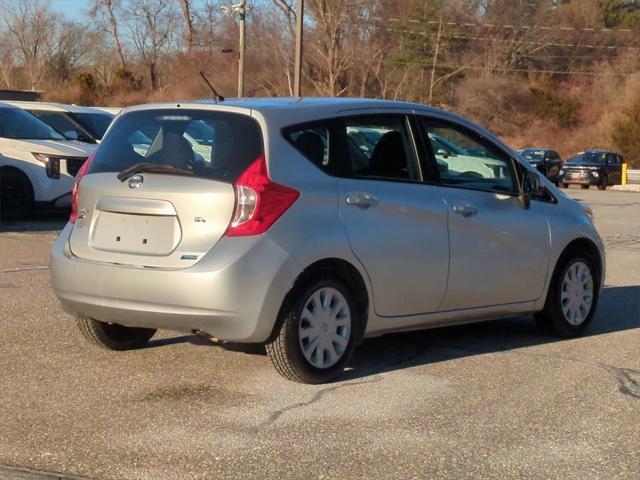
(37, 164)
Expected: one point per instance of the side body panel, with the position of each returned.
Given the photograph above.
(500, 255)
(402, 241)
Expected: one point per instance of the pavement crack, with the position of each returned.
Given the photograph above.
(627, 384)
(275, 416)
(25, 269)
(627, 378)
(26, 473)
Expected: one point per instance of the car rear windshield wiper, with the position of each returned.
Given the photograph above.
(151, 167)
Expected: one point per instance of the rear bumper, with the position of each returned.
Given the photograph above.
(234, 293)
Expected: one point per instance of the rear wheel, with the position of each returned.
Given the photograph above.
(16, 195)
(572, 298)
(113, 336)
(317, 337)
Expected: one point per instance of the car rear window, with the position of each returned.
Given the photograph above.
(211, 144)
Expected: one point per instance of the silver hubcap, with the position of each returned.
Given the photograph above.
(576, 296)
(325, 326)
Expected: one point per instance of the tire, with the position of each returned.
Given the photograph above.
(564, 185)
(16, 195)
(113, 336)
(286, 348)
(603, 184)
(584, 187)
(553, 318)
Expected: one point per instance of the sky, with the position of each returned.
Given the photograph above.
(72, 9)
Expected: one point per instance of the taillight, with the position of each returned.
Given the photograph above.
(74, 193)
(259, 201)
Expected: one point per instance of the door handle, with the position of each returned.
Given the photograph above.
(361, 199)
(465, 209)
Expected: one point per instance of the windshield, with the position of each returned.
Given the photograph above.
(589, 157)
(21, 125)
(95, 123)
(211, 144)
(63, 124)
(532, 154)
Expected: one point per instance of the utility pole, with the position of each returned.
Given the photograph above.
(242, 12)
(297, 79)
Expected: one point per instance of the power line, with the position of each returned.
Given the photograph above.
(492, 25)
(512, 41)
(505, 69)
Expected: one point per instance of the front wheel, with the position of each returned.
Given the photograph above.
(113, 336)
(318, 333)
(603, 184)
(572, 298)
(16, 195)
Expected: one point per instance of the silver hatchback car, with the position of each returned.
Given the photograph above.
(310, 224)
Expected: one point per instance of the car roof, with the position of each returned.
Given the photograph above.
(546, 149)
(287, 111)
(287, 103)
(599, 150)
(53, 107)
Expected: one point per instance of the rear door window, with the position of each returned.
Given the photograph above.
(209, 144)
(380, 147)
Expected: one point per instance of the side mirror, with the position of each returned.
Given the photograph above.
(530, 186)
(441, 152)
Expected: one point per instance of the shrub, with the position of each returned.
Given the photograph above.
(626, 134)
(550, 106)
(89, 90)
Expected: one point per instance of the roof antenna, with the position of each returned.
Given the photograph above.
(216, 96)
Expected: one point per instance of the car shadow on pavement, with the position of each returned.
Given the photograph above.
(619, 309)
(45, 221)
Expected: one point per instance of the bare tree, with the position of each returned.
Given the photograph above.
(7, 60)
(32, 26)
(151, 25)
(331, 48)
(110, 10)
(188, 16)
(287, 7)
(71, 47)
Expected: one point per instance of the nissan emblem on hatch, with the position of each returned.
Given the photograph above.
(136, 181)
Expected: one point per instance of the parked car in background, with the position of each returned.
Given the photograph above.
(74, 122)
(545, 160)
(592, 167)
(37, 164)
(312, 223)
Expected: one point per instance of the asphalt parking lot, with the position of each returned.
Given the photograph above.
(490, 400)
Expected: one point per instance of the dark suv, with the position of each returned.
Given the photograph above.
(546, 160)
(592, 167)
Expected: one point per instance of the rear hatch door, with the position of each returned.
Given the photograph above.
(152, 218)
